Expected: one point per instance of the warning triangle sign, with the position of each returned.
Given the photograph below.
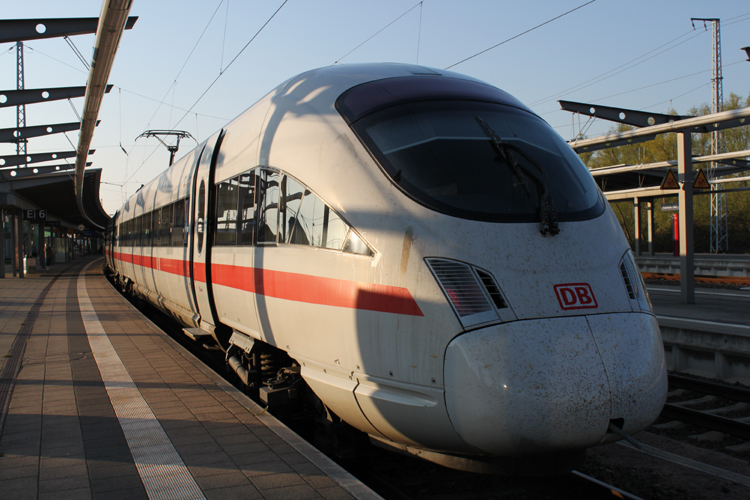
(701, 182)
(670, 181)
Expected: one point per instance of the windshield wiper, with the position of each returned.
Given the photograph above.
(505, 150)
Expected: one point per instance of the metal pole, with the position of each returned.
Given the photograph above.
(19, 243)
(650, 219)
(2, 243)
(13, 244)
(637, 225)
(685, 176)
(41, 259)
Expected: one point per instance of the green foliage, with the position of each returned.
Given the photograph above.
(663, 148)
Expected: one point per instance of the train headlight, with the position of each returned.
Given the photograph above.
(634, 284)
(472, 292)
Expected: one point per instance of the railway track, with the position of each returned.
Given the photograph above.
(707, 413)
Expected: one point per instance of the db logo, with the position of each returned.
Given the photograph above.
(575, 296)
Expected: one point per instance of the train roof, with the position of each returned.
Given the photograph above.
(332, 81)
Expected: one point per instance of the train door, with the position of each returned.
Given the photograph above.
(202, 236)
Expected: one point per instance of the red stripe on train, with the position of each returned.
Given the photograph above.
(293, 286)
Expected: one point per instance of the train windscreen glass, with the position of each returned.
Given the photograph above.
(440, 153)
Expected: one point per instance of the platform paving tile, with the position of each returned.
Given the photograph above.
(334, 493)
(184, 431)
(46, 473)
(17, 487)
(247, 436)
(7, 473)
(262, 467)
(73, 482)
(200, 448)
(128, 494)
(124, 482)
(75, 451)
(233, 493)
(293, 458)
(79, 494)
(296, 492)
(183, 440)
(245, 448)
(217, 457)
(223, 480)
(48, 462)
(202, 470)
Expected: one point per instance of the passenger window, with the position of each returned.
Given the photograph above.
(226, 212)
(290, 199)
(334, 230)
(138, 224)
(178, 222)
(308, 229)
(145, 229)
(354, 244)
(268, 222)
(201, 210)
(246, 190)
(130, 232)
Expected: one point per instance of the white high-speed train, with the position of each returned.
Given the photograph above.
(423, 251)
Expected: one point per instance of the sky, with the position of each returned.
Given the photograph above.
(187, 64)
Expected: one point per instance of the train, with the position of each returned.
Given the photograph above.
(417, 253)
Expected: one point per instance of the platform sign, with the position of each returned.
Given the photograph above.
(35, 215)
(701, 182)
(670, 181)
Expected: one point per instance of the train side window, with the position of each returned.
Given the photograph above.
(147, 229)
(178, 224)
(289, 202)
(201, 210)
(165, 225)
(155, 218)
(246, 191)
(334, 230)
(354, 244)
(137, 232)
(130, 232)
(308, 229)
(226, 212)
(268, 222)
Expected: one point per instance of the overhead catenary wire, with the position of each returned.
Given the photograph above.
(630, 64)
(215, 80)
(520, 34)
(379, 32)
(174, 81)
(614, 71)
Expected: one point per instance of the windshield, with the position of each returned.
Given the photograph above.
(439, 153)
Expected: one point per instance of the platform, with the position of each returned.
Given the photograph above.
(710, 338)
(96, 402)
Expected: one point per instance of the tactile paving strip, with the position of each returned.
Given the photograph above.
(162, 471)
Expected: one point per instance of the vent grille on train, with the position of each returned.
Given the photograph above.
(629, 285)
(492, 288)
(460, 286)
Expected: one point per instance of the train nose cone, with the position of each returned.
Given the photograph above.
(536, 386)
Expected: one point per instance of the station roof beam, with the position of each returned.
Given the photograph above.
(10, 174)
(23, 133)
(620, 115)
(10, 98)
(14, 160)
(21, 30)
